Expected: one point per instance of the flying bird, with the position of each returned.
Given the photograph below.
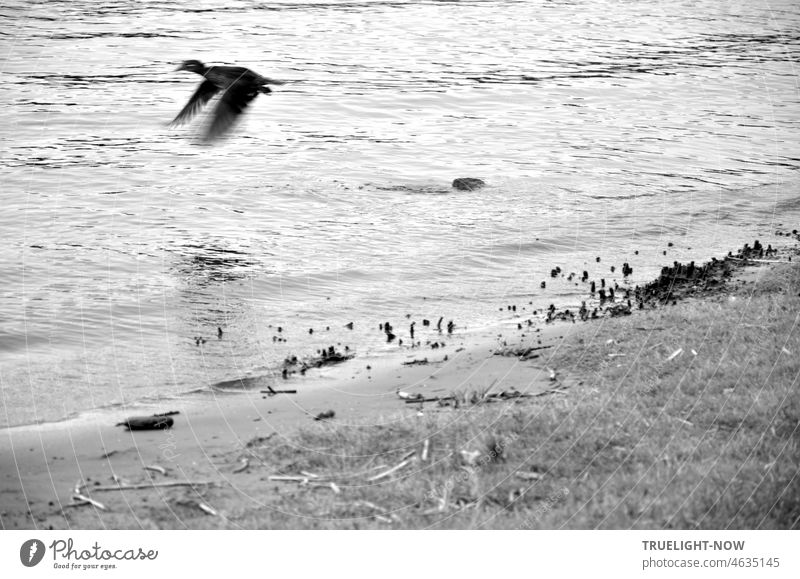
(239, 86)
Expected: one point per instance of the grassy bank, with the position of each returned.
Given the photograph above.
(686, 416)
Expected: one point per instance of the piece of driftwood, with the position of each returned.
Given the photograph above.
(155, 422)
(528, 475)
(88, 500)
(152, 485)
(283, 478)
(328, 414)
(433, 399)
(244, 464)
(523, 353)
(207, 509)
(549, 391)
(425, 447)
(416, 362)
(395, 468)
(407, 396)
(156, 468)
(675, 354)
(352, 475)
(757, 260)
(270, 391)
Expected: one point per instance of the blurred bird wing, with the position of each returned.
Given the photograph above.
(230, 106)
(274, 81)
(201, 96)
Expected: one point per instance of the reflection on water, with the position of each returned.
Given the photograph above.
(601, 129)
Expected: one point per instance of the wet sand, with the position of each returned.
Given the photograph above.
(43, 464)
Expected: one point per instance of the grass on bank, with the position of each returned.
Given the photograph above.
(706, 439)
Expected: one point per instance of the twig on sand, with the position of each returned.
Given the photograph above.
(156, 468)
(244, 464)
(272, 392)
(528, 475)
(351, 475)
(425, 447)
(421, 400)
(153, 485)
(757, 260)
(395, 468)
(558, 390)
(282, 478)
(675, 354)
(378, 517)
(84, 500)
(204, 507)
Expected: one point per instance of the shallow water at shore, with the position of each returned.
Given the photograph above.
(124, 240)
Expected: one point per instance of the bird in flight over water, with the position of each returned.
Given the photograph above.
(238, 85)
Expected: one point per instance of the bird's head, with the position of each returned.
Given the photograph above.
(192, 66)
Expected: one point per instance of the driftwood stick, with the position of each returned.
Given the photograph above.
(549, 391)
(386, 473)
(244, 465)
(281, 478)
(675, 354)
(425, 447)
(156, 468)
(86, 500)
(758, 260)
(434, 399)
(152, 485)
(346, 475)
(204, 507)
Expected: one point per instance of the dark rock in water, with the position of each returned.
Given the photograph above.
(155, 422)
(467, 183)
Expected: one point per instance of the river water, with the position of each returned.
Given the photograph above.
(600, 128)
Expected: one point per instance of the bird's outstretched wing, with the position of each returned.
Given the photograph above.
(201, 96)
(274, 81)
(230, 106)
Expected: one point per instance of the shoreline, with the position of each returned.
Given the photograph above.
(41, 463)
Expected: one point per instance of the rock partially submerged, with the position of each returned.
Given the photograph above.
(468, 183)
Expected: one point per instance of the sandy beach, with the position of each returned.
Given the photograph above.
(42, 465)
(210, 470)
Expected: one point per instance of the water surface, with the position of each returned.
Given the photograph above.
(601, 128)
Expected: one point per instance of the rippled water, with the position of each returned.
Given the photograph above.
(600, 128)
